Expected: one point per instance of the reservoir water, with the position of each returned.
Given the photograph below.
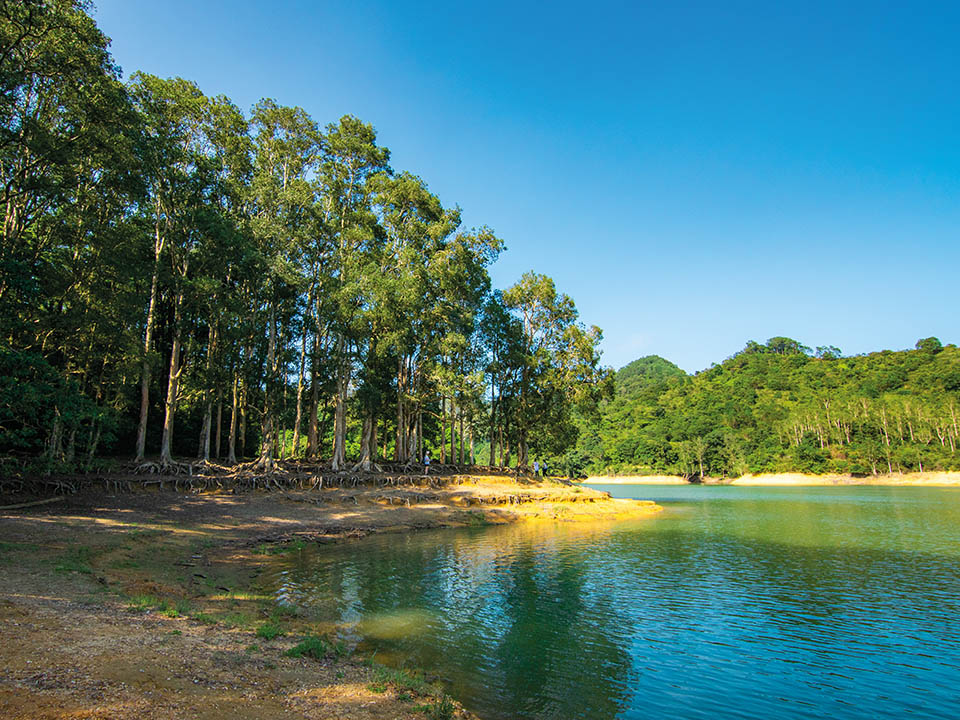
(826, 602)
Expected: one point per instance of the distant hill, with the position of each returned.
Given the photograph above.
(779, 407)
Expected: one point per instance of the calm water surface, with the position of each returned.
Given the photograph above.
(735, 602)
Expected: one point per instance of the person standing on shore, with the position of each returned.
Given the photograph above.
(536, 467)
(426, 463)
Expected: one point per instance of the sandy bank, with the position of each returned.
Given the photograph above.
(928, 479)
(636, 480)
(147, 604)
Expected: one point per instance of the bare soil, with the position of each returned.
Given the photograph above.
(145, 603)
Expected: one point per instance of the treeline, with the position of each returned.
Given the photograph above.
(179, 278)
(780, 407)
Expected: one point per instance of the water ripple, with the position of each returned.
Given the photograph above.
(812, 603)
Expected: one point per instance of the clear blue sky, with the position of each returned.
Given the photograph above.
(693, 174)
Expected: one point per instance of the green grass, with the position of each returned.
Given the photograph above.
(205, 618)
(251, 649)
(143, 603)
(282, 611)
(409, 681)
(76, 560)
(311, 646)
(440, 709)
(269, 631)
(17, 546)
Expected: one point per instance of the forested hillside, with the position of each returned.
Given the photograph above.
(781, 407)
(181, 279)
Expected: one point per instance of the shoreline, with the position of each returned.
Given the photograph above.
(926, 479)
(148, 603)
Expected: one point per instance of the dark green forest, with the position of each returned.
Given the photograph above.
(180, 280)
(780, 407)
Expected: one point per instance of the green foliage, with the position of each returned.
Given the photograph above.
(76, 559)
(168, 264)
(776, 408)
(269, 631)
(312, 646)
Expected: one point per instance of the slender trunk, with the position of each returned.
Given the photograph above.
(399, 448)
(340, 412)
(493, 421)
(205, 432)
(148, 344)
(299, 410)
(173, 384)
(268, 427)
(301, 375)
(313, 444)
(234, 411)
(443, 430)
(216, 448)
(461, 437)
(94, 441)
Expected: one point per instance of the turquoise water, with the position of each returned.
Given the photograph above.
(733, 603)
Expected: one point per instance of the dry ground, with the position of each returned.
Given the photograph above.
(145, 604)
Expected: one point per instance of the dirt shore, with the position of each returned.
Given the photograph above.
(146, 603)
(930, 479)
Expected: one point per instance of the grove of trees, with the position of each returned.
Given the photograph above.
(183, 280)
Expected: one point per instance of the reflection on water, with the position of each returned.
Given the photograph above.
(735, 602)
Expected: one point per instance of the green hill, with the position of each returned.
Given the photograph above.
(779, 407)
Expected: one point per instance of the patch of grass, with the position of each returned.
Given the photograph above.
(76, 560)
(205, 618)
(180, 608)
(311, 646)
(405, 697)
(281, 611)
(339, 675)
(475, 518)
(409, 681)
(251, 649)
(235, 620)
(143, 603)
(125, 564)
(175, 632)
(147, 533)
(440, 709)
(17, 546)
(269, 631)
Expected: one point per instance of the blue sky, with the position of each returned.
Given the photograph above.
(693, 174)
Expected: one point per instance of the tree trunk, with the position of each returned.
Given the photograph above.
(204, 453)
(216, 448)
(340, 412)
(313, 443)
(173, 384)
(148, 344)
(234, 411)
(368, 444)
(269, 428)
(443, 430)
